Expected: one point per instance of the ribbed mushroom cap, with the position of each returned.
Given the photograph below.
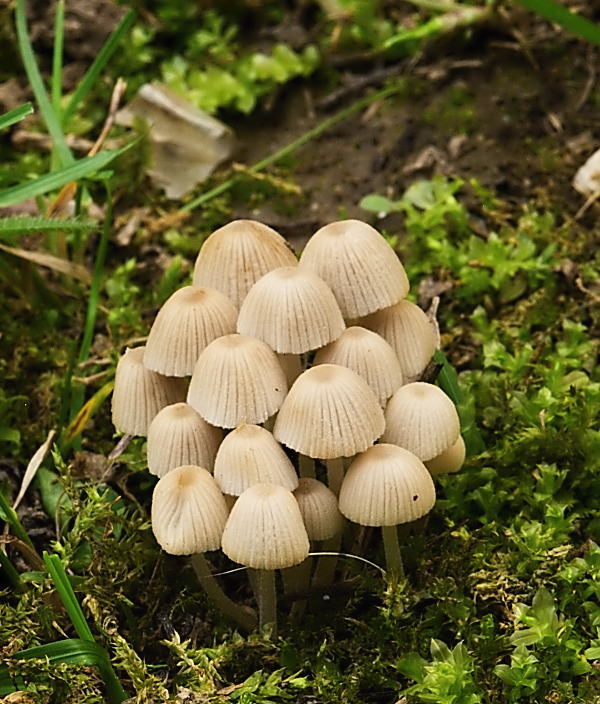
(188, 321)
(406, 327)
(237, 255)
(250, 455)
(358, 265)
(329, 412)
(188, 511)
(369, 355)
(421, 418)
(292, 310)
(265, 529)
(319, 508)
(237, 378)
(385, 486)
(178, 435)
(448, 461)
(140, 393)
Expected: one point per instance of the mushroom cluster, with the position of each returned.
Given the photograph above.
(281, 396)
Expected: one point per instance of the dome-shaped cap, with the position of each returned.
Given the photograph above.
(250, 455)
(265, 529)
(140, 393)
(369, 355)
(237, 378)
(319, 508)
(178, 435)
(421, 418)
(358, 265)
(292, 310)
(188, 321)
(408, 330)
(329, 412)
(386, 485)
(448, 461)
(237, 255)
(188, 511)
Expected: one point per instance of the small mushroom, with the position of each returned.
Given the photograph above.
(178, 435)
(369, 355)
(358, 265)
(448, 461)
(384, 486)
(237, 378)
(292, 310)
(250, 455)
(140, 393)
(188, 321)
(408, 330)
(265, 531)
(421, 418)
(234, 257)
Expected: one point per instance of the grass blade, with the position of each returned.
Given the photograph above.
(26, 224)
(562, 16)
(91, 76)
(57, 56)
(15, 115)
(39, 90)
(69, 600)
(71, 651)
(8, 514)
(58, 179)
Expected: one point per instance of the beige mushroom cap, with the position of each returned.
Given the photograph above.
(319, 508)
(329, 412)
(234, 257)
(421, 418)
(178, 435)
(369, 355)
(188, 321)
(265, 530)
(408, 330)
(386, 485)
(188, 511)
(237, 378)
(448, 461)
(250, 455)
(140, 393)
(292, 310)
(358, 265)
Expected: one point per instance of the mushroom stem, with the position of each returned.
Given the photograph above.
(242, 615)
(326, 565)
(393, 559)
(335, 474)
(264, 582)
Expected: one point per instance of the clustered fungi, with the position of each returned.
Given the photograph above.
(301, 370)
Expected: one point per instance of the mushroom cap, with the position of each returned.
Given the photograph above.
(177, 436)
(237, 378)
(188, 511)
(386, 485)
(421, 418)
(187, 322)
(319, 508)
(408, 330)
(265, 530)
(236, 255)
(358, 265)
(250, 455)
(369, 355)
(292, 310)
(140, 393)
(448, 461)
(329, 412)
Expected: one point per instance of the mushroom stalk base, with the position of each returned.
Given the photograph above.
(240, 614)
(393, 559)
(264, 583)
